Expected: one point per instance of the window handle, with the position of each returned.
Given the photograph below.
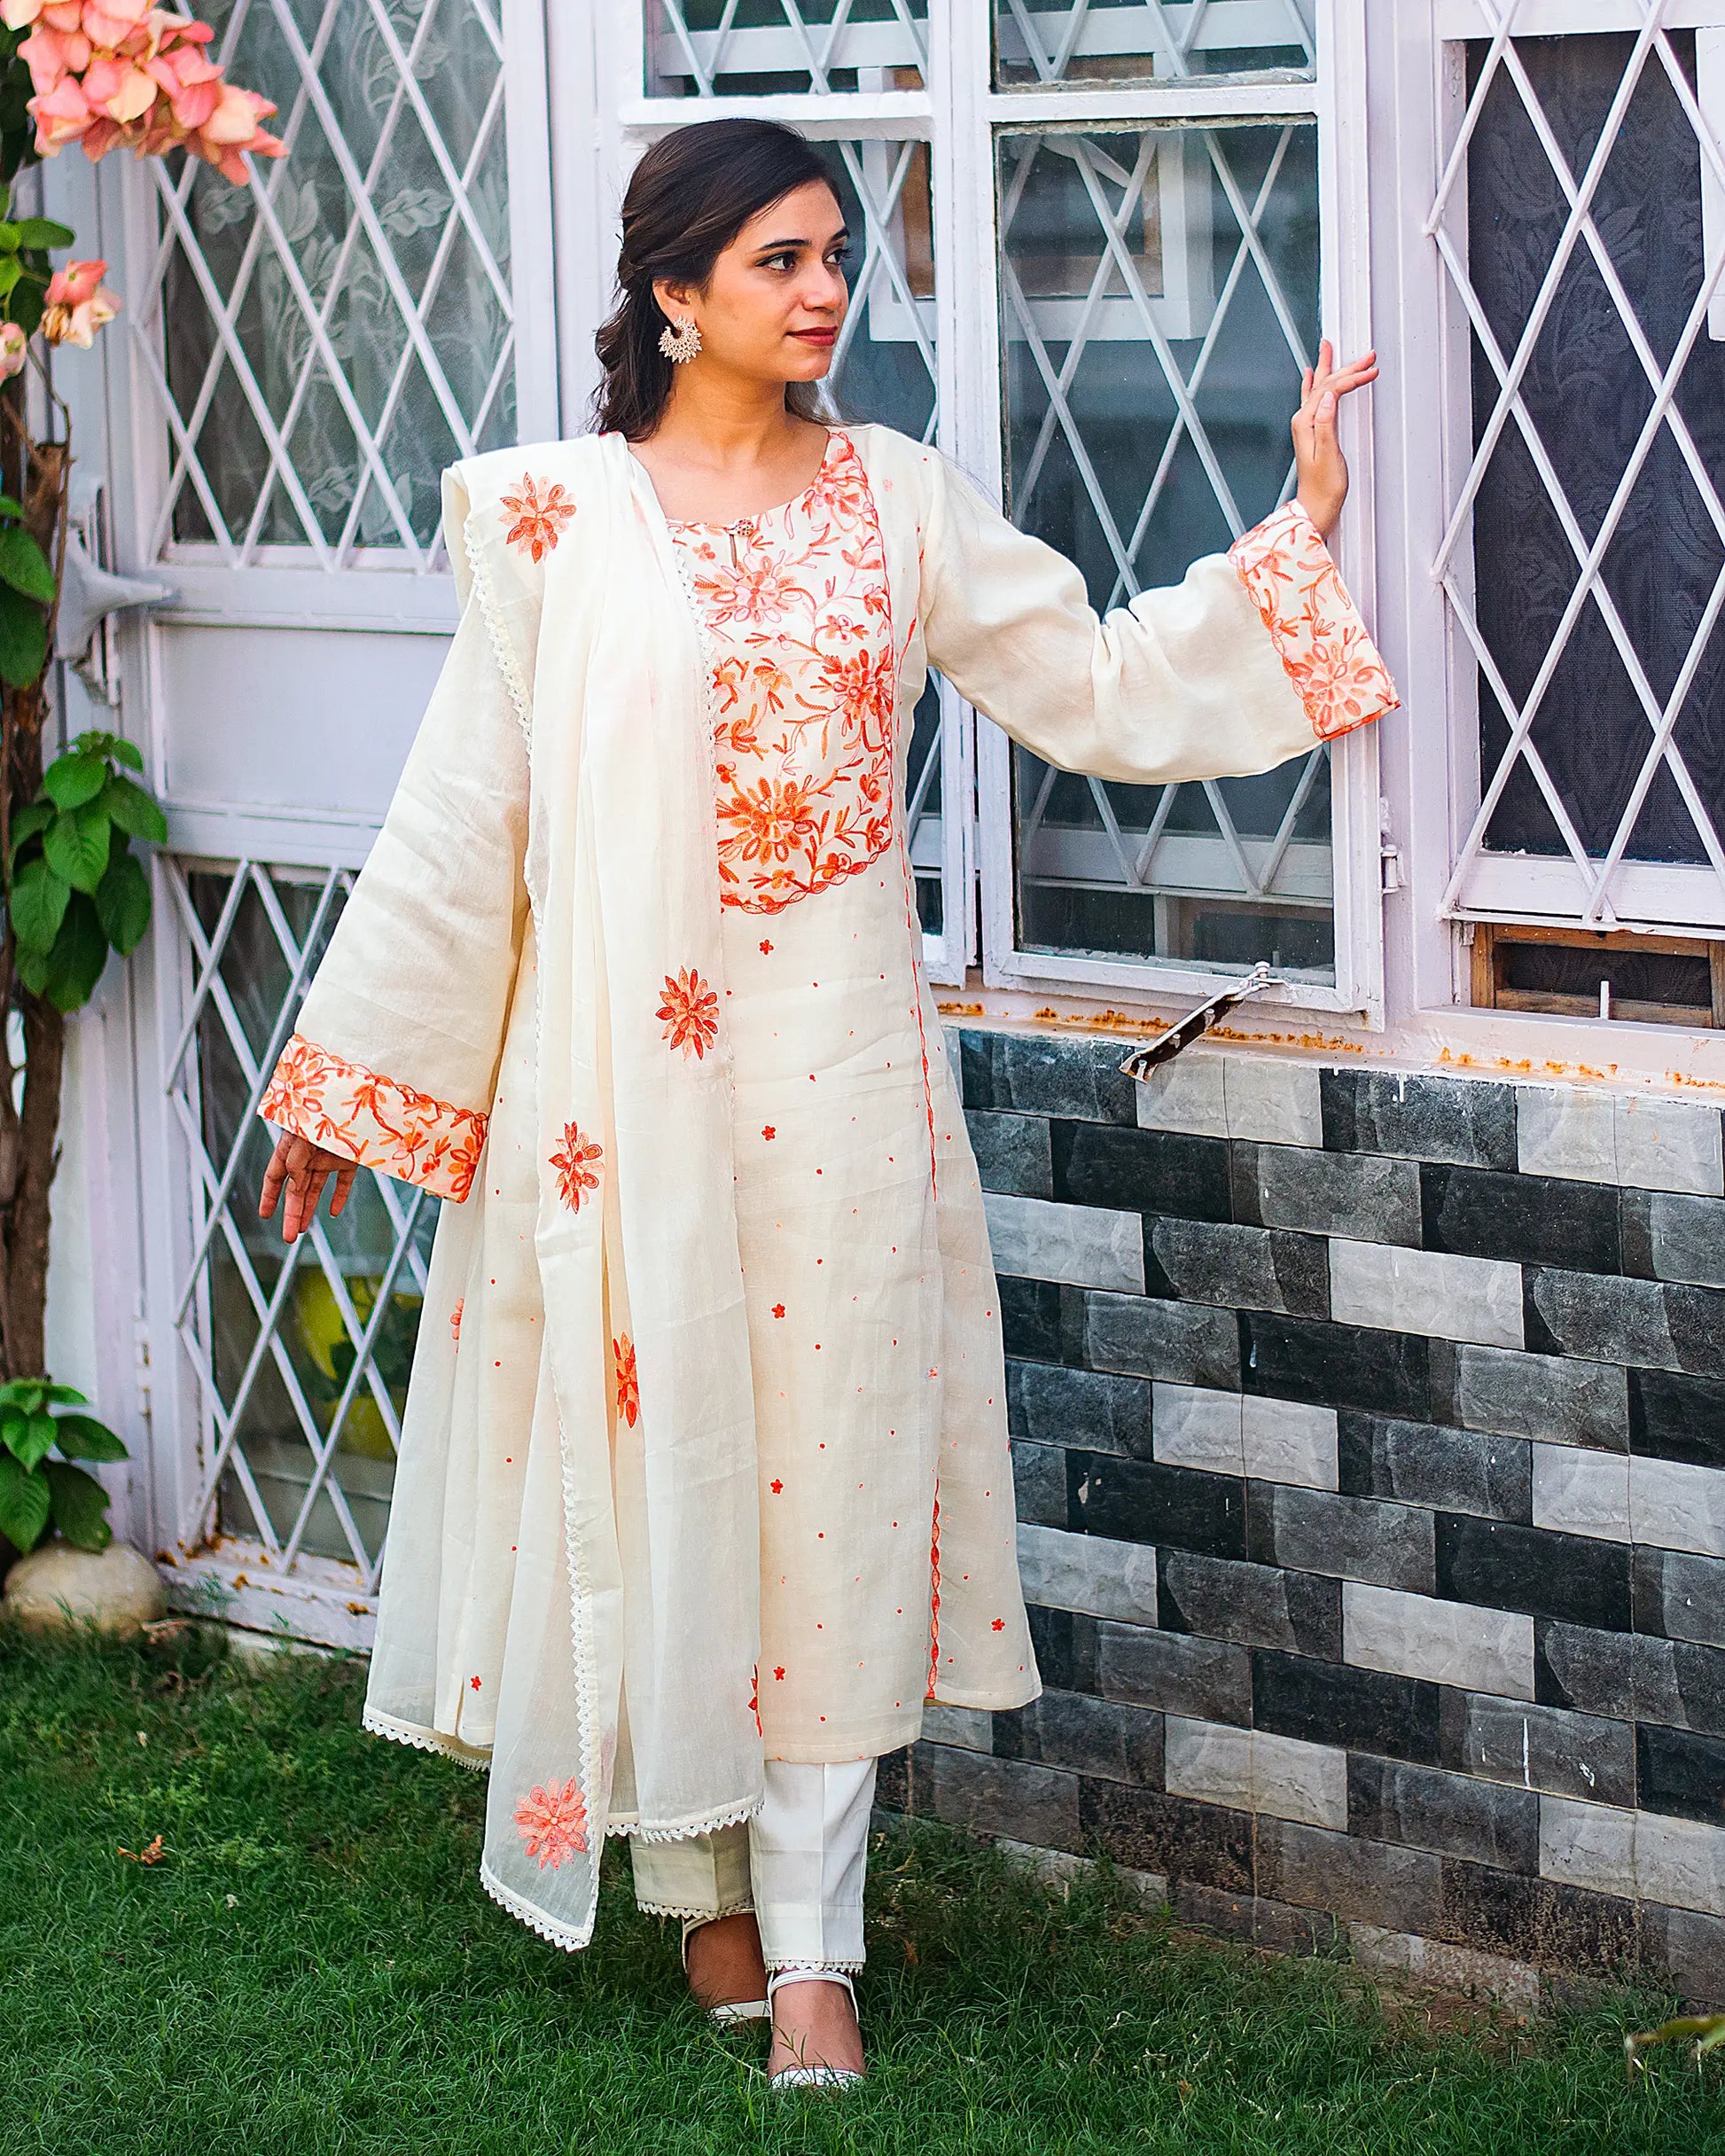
(1168, 1045)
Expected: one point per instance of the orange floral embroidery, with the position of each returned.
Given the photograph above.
(378, 1121)
(575, 1177)
(796, 611)
(755, 1700)
(455, 1319)
(536, 519)
(691, 1012)
(628, 1385)
(552, 1822)
(1322, 641)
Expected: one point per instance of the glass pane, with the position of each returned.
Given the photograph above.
(1585, 398)
(1160, 292)
(329, 356)
(1091, 40)
(754, 48)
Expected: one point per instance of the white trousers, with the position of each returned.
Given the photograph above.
(798, 1864)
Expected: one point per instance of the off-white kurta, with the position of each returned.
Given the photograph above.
(705, 1451)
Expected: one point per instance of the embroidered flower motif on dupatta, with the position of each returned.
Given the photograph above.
(628, 1384)
(576, 1175)
(535, 515)
(690, 1008)
(552, 1822)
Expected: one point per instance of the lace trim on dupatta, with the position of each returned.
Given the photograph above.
(375, 1121)
(1322, 644)
(423, 1740)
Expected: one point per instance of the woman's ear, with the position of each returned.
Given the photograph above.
(673, 300)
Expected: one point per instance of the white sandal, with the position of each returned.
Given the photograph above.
(812, 2077)
(732, 2011)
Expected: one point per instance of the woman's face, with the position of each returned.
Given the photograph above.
(772, 309)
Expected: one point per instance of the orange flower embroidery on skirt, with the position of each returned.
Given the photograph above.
(628, 1385)
(691, 1012)
(536, 518)
(552, 1822)
(574, 1176)
(455, 1319)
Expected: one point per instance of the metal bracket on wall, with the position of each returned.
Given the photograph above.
(1168, 1045)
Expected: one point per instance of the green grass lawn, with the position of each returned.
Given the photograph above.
(312, 1965)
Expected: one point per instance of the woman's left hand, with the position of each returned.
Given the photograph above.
(1318, 457)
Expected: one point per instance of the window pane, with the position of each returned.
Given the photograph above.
(370, 307)
(1160, 292)
(1585, 399)
(755, 48)
(1090, 41)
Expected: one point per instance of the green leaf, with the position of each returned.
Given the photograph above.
(125, 751)
(25, 1393)
(81, 1437)
(64, 1395)
(38, 905)
(25, 1500)
(10, 236)
(29, 1438)
(80, 1505)
(122, 902)
(75, 844)
(73, 968)
(10, 506)
(43, 232)
(15, 1436)
(25, 567)
(23, 639)
(33, 816)
(75, 778)
(133, 810)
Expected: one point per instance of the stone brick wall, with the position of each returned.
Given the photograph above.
(1369, 1440)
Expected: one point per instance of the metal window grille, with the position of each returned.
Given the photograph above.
(718, 47)
(1103, 40)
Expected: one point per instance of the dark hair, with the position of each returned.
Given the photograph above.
(688, 199)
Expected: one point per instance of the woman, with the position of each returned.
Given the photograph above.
(703, 1483)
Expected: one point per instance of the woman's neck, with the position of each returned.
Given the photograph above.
(726, 449)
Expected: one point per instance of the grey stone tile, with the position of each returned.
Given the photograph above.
(1273, 1099)
(1088, 1573)
(1254, 1268)
(1445, 1643)
(1578, 1492)
(1545, 1748)
(1567, 1131)
(1616, 1321)
(1262, 1606)
(1197, 1427)
(1468, 1121)
(1186, 1094)
(1677, 1506)
(1289, 1440)
(1544, 1396)
(1423, 1808)
(1252, 1770)
(1274, 1925)
(1183, 1344)
(1643, 1855)
(1691, 1949)
(1679, 1595)
(969, 1728)
(1621, 1676)
(1071, 1729)
(1092, 1410)
(1453, 1471)
(1208, 1678)
(995, 1796)
(1686, 1237)
(1668, 1145)
(1352, 1538)
(1039, 1483)
(1033, 1238)
(1372, 1199)
(1372, 1881)
(1012, 1152)
(1425, 1291)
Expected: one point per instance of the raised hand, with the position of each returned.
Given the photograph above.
(1322, 467)
(303, 1168)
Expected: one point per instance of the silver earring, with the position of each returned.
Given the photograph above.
(679, 342)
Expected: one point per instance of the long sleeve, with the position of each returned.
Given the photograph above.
(1253, 658)
(395, 1062)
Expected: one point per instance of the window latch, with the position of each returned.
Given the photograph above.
(1196, 1023)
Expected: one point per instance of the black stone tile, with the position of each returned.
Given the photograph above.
(1086, 1735)
(1260, 1606)
(1174, 1836)
(1039, 1483)
(1242, 1182)
(1697, 1685)
(1542, 1573)
(1177, 1508)
(1012, 1152)
(1333, 1703)
(1558, 1399)
(1277, 1925)
(1141, 1171)
(892, 1781)
(1668, 1235)
(1688, 1951)
(1066, 1647)
(1420, 1463)
(1530, 1220)
(993, 1796)
(1047, 1074)
(1567, 1928)
(1091, 1409)
(1682, 1771)
(1183, 1343)
(1673, 1418)
(1339, 1366)
(1254, 1268)
(1450, 1814)
(1366, 1197)
(1548, 1749)
(1678, 1596)
(1030, 1318)
(1208, 1679)
(1351, 1538)
(1466, 1122)
(1370, 1882)
(1074, 1322)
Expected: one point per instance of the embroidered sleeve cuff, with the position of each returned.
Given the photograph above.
(1314, 626)
(376, 1121)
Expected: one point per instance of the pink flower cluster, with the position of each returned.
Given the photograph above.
(125, 72)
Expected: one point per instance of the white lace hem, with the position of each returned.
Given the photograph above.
(571, 1938)
(424, 1740)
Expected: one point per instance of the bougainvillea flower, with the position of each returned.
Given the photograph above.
(13, 346)
(78, 304)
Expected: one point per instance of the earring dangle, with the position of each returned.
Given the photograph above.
(680, 343)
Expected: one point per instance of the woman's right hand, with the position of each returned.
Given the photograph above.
(303, 1168)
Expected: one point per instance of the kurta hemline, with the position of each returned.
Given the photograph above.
(684, 1830)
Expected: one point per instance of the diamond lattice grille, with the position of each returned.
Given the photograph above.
(302, 1351)
(1569, 222)
(324, 341)
(737, 48)
(1160, 296)
(1091, 40)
